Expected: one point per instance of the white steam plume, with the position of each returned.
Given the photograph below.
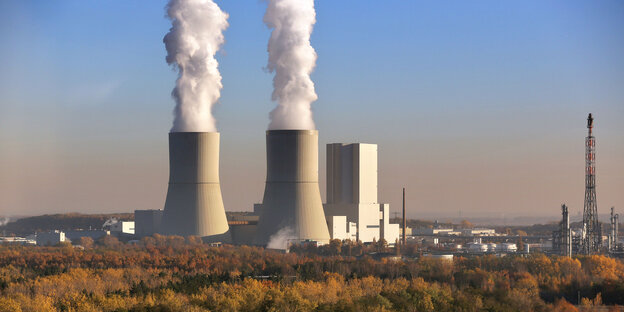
(292, 58)
(281, 239)
(194, 38)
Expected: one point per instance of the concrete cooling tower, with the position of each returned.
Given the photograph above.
(194, 205)
(291, 210)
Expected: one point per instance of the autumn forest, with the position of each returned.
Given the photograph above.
(182, 274)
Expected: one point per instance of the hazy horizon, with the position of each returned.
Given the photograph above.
(476, 107)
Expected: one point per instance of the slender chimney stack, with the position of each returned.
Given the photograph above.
(404, 221)
(566, 237)
(194, 205)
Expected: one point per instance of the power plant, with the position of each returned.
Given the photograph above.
(352, 209)
(291, 210)
(194, 205)
(588, 238)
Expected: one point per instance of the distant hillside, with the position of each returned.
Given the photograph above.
(64, 222)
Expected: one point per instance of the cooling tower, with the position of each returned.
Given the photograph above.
(194, 205)
(292, 199)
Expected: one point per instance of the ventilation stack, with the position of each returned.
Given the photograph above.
(291, 210)
(194, 205)
(566, 234)
(613, 236)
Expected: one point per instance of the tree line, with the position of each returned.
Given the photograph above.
(172, 273)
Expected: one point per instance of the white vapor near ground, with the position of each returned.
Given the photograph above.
(281, 239)
(4, 221)
(292, 59)
(192, 42)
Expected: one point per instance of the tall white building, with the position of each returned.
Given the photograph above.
(352, 193)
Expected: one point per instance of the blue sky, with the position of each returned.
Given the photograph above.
(478, 106)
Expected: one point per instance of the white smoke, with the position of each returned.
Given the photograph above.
(194, 38)
(292, 58)
(4, 221)
(281, 239)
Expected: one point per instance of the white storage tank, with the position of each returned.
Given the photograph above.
(508, 247)
(477, 247)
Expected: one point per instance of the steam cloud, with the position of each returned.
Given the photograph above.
(280, 239)
(194, 38)
(292, 58)
(4, 221)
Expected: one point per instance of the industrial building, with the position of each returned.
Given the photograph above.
(122, 227)
(478, 232)
(17, 241)
(147, 222)
(340, 228)
(436, 229)
(243, 227)
(194, 205)
(75, 235)
(352, 209)
(478, 247)
(50, 238)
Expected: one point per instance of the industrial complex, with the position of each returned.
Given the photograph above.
(587, 237)
(292, 211)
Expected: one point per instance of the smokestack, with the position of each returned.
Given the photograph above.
(194, 205)
(292, 199)
(404, 221)
(565, 232)
(613, 240)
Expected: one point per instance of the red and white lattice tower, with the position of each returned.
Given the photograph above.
(593, 237)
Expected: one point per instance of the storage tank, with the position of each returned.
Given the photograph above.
(194, 205)
(440, 257)
(477, 247)
(292, 210)
(508, 247)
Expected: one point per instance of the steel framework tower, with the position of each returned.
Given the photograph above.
(592, 240)
(613, 236)
(566, 235)
(562, 238)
